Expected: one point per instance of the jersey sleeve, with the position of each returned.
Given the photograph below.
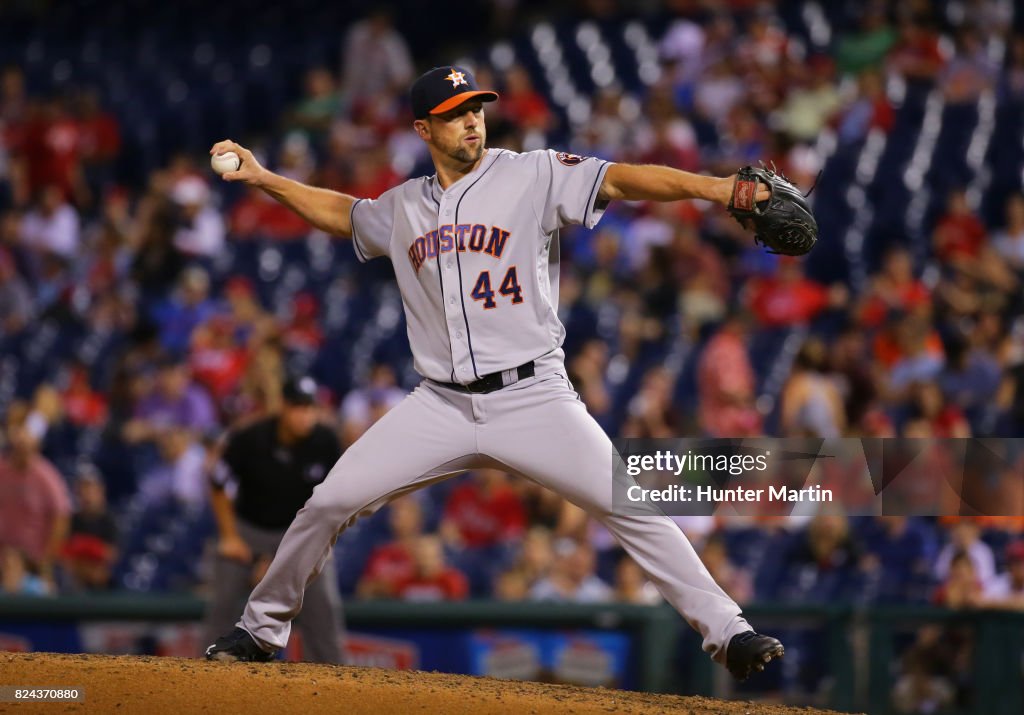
(373, 221)
(569, 185)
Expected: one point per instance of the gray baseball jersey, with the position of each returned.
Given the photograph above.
(477, 265)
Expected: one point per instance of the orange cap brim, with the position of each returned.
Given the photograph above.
(453, 102)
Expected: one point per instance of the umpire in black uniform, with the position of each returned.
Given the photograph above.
(273, 464)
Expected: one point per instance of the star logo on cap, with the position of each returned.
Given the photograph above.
(457, 78)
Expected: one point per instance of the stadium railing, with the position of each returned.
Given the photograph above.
(860, 652)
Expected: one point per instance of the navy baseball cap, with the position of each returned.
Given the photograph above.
(299, 391)
(444, 88)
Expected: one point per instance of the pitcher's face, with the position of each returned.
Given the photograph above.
(459, 134)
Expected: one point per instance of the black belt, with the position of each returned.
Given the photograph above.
(494, 381)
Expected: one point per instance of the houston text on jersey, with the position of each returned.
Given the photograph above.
(468, 237)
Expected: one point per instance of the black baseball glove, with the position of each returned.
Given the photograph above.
(782, 223)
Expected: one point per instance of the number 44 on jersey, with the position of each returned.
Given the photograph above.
(509, 288)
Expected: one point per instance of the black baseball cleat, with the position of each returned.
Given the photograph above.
(238, 645)
(750, 652)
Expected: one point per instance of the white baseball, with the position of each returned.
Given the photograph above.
(228, 161)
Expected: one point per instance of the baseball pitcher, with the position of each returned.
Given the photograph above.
(476, 256)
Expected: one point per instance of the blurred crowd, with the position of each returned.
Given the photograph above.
(130, 339)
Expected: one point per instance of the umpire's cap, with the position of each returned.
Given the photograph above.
(299, 391)
(444, 88)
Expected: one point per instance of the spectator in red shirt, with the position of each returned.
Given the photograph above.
(959, 234)
(483, 511)
(372, 174)
(35, 508)
(726, 384)
(99, 142)
(943, 419)
(917, 55)
(961, 241)
(256, 214)
(671, 142)
(392, 563)
(789, 299)
(894, 288)
(100, 135)
(52, 148)
(901, 335)
(216, 359)
(83, 406)
(303, 334)
(433, 579)
(522, 104)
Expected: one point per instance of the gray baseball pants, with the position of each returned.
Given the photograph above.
(321, 621)
(537, 428)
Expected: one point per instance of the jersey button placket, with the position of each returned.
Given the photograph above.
(461, 361)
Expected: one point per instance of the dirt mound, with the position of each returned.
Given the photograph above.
(176, 686)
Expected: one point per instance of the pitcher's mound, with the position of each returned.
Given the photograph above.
(176, 686)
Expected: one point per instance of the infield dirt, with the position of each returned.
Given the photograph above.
(176, 686)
